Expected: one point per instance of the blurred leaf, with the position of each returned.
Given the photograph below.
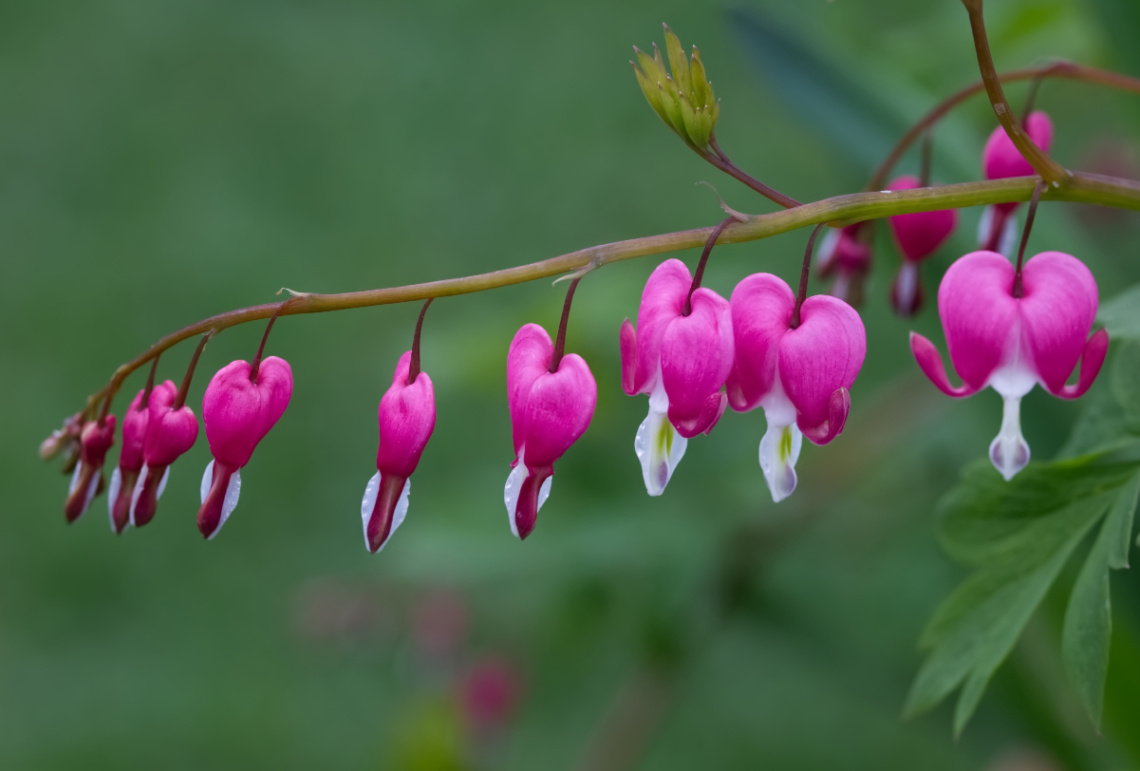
(1111, 416)
(1121, 19)
(855, 118)
(1121, 315)
(1088, 620)
(1019, 534)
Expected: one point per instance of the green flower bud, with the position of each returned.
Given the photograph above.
(684, 100)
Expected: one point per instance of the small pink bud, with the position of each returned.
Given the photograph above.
(549, 412)
(238, 413)
(95, 440)
(170, 433)
(918, 236)
(845, 254)
(800, 376)
(406, 420)
(997, 230)
(1012, 343)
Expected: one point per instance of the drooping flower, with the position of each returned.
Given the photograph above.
(800, 375)
(997, 230)
(1013, 340)
(846, 254)
(123, 478)
(171, 430)
(406, 419)
(550, 409)
(679, 356)
(95, 440)
(918, 236)
(238, 410)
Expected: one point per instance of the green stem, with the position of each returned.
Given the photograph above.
(854, 207)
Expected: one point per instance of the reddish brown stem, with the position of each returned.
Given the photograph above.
(261, 348)
(560, 342)
(804, 274)
(184, 389)
(721, 161)
(700, 274)
(414, 365)
(1029, 216)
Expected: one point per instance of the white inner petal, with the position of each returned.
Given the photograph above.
(371, 490)
(1008, 238)
(1009, 452)
(162, 483)
(514, 486)
(135, 493)
(74, 480)
(92, 488)
(207, 480)
(659, 448)
(985, 225)
(907, 286)
(233, 490)
(779, 451)
(113, 494)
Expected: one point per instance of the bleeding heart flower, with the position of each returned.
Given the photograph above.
(997, 230)
(846, 254)
(125, 475)
(407, 418)
(918, 236)
(1011, 341)
(549, 409)
(680, 356)
(238, 411)
(800, 375)
(170, 432)
(95, 440)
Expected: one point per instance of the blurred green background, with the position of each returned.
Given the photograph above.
(164, 161)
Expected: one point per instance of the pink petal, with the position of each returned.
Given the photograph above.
(930, 362)
(838, 408)
(1095, 350)
(1058, 307)
(919, 235)
(528, 358)
(406, 420)
(134, 434)
(628, 342)
(979, 316)
(662, 301)
(557, 411)
(1001, 159)
(762, 306)
(696, 358)
(822, 355)
(238, 413)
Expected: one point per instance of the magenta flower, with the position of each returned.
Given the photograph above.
(680, 355)
(550, 409)
(238, 408)
(1011, 341)
(170, 432)
(95, 440)
(800, 375)
(123, 478)
(847, 256)
(918, 236)
(407, 418)
(997, 230)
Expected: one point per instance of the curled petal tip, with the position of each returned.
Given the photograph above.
(221, 487)
(838, 408)
(383, 509)
(525, 492)
(930, 361)
(1092, 358)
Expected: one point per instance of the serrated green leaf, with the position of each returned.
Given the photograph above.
(1019, 534)
(678, 64)
(1121, 315)
(1088, 619)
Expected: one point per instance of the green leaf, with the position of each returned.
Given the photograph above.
(677, 61)
(1088, 619)
(1019, 535)
(1111, 415)
(1121, 315)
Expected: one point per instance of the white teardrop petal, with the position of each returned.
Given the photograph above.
(233, 490)
(371, 490)
(779, 451)
(511, 492)
(659, 448)
(113, 494)
(1009, 452)
(135, 493)
(74, 480)
(207, 480)
(162, 483)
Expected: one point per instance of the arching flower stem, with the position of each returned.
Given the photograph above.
(560, 341)
(261, 348)
(184, 389)
(700, 274)
(1029, 216)
(805, 274)
(1084, 188)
